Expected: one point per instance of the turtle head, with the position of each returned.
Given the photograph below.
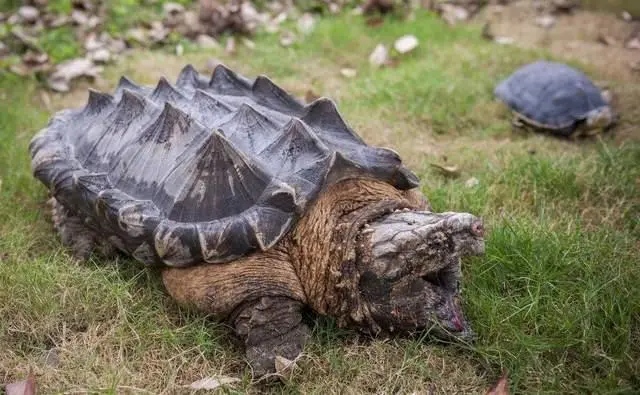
(600, 118)
(410, 271)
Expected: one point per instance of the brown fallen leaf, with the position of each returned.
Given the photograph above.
(285, 367)
(211, 383)
(501, 387)
(67, 71)
(606, 40)
(348, 72)
(375, 21)
(452, 171)
(380, 6)
(25, 387)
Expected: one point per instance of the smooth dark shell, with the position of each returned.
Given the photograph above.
(206, 170)
(553, 95)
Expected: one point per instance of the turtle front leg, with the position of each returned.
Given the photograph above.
(259, 295)
(269, 327)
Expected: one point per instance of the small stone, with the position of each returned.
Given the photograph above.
(306, 23)
(287, 38)
(79, 17)
(35, 58)
(348, 72)
(634, 43)
(406, 44)
(248, 43)
(453, 14)
(379, 56)
(471, 182)
(504, 40)
(206, 41)
(28, 14)
(100, 55)
(626, 16)
(117, 46)
(4, 50)
(172, 8)
(91, 43)
(546, 21)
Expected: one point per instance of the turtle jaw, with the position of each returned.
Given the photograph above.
(599, 118)
(410, 272)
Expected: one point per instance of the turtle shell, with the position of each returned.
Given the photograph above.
(550, 95)
(203, 170)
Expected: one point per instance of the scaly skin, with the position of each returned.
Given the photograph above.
(365, 253)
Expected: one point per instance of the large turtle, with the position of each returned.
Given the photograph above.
(254, 206)
(554, 97)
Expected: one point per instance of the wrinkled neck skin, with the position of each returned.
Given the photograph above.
(373, 258)
(323, 245)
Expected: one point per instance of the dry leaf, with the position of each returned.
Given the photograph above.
(406, 44)
(453, 14)
(448, 171)
(287, 38)
(206, 41)
(504, 40)
(349, 73)
(546, 21)
(606, 40)
(248, 43)
(26, 387)
(501, 387)
(634, 43)
(28, 14)
(471, 182)
(306, 23)
(380, 56)
(4, 50)
(230, 47)
(211, 383)
(101, 55)
(67, 71)
(284, 367)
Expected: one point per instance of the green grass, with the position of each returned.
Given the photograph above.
(555, 300)
(60, 44)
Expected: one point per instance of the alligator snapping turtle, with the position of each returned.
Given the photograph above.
(255, 206)
(554, 97)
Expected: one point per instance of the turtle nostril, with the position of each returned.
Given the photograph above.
(477, 228)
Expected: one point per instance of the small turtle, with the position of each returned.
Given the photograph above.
(254, 206)
(554, 97)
